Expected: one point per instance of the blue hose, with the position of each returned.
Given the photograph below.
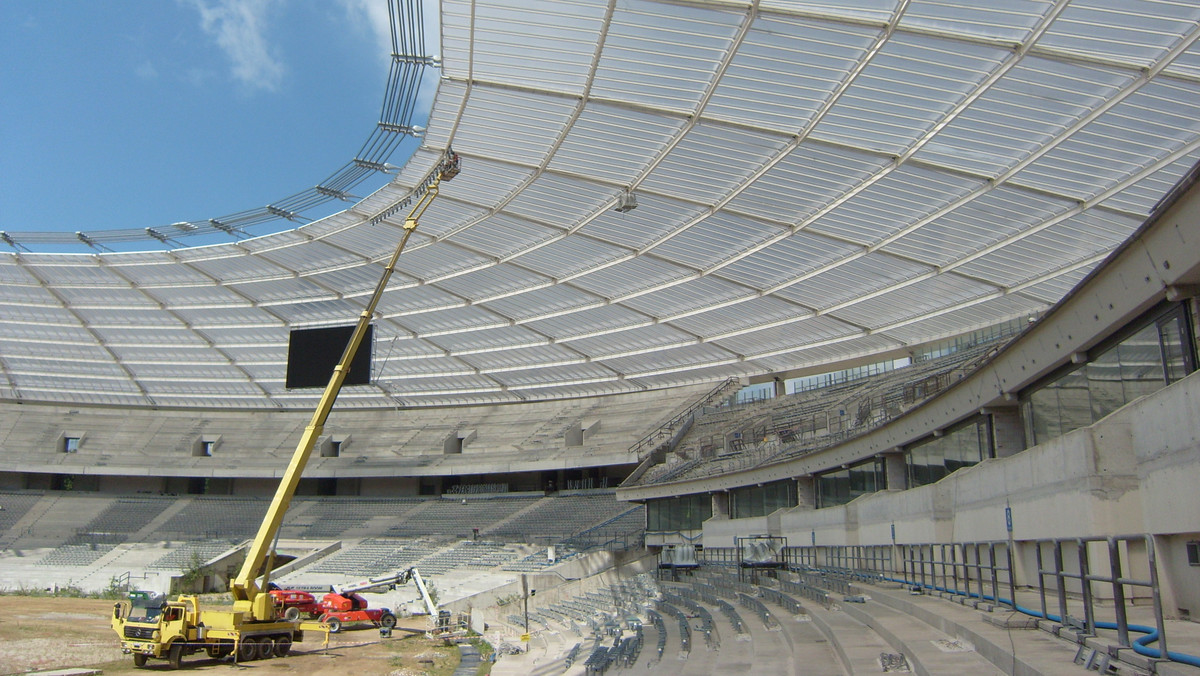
(1139, 646)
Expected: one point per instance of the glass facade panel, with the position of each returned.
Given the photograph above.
(749, 501)
(929, 461)
(688, 512)
(1159, 353)
(1174, 339)
(841, 486)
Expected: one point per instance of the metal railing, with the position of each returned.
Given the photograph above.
(1081, 578)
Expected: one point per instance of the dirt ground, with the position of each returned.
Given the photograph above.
(42, 633)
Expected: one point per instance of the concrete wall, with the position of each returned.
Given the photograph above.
(1133, 472)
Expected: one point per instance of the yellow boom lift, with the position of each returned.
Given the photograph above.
(150, 627)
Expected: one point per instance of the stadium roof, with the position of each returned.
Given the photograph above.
(814, 181)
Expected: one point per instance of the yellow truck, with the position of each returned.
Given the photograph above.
(151, 627)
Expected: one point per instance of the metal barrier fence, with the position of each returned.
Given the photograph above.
(1078, 577)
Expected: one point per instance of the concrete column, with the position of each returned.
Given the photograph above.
(780, 387)
(806, 492)
(897, 472)
(720, 505)
(1008, 432)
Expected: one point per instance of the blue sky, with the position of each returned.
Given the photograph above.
(141, 114)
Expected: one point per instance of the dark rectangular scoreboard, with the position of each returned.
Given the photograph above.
(312, 354)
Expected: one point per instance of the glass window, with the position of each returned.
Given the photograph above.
(1159, 353)
(70, 444)
(841, 486)
(931, 460)
(688, 512)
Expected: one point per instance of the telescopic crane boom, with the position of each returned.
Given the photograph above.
(247, 595)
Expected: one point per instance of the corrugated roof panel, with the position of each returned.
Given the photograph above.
(183, 297)
(1051, 290)
(503, 236)
(989, 218)
(637, 274)
(332, 312)
(468, 318)
(653, 218)
(398, 302)
(604, 319)
(809, 179)
(12, 272)
(1036, 101)
(70, 271)
(285, 291)
(661, 55)
(919, 299)
(561, 201)
(787, 259)
(786, 69)
(976, 316)
(711, 160)
(763, 311)
(520, 358)
(792, 336)
(669, 359)
(491, 282)
(638, 340)
(438, 260)
(716, 239)
(911, 83)
(556, 376)
(613, 143)
(843, 283)
(162, 334)
(359, 280)
(14, 297)
(569, 256)
(500, 338)
(244, 268)
(540, 302)
(540, 43)
(132, 316)
(227, 317)
(311, 257)
(490, 130)
(688, 297)
(899, 199)
(818, 356)
(115, 299)
(1129, 32)
(392, 372)
(1141, 197)
(1010, 21)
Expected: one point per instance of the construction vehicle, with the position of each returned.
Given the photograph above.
(151, 627)
(292, 603)
(344, 605)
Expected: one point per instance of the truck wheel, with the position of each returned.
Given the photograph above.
(335, 625)
(283, 646)
(388, 620)
(247, 650)
(291, 614)
(175, 655)
(139, 660)
(266, 648)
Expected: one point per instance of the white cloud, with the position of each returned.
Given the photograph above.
(237, 26)
(373, 16)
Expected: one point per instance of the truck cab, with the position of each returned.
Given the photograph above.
(151, 626)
